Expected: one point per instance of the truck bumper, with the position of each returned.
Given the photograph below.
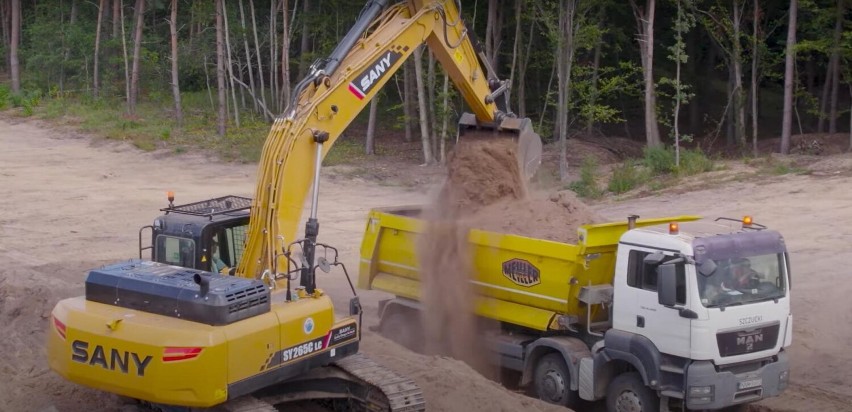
(707, 388)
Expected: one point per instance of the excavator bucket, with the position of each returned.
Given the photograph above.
(529, 142)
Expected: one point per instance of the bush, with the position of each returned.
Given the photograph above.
(693, 162)
(626, 177)
(659, 160)
(587, 186)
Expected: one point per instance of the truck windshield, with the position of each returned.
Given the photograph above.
(744, 280)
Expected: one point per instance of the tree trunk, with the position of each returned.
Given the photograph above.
(285, 56)
(249, 67)
(96, 86)
(15, 38)
(273, 55)
(220, 68)
(518, 39)
(421, 101)
(826, 89)
(126, 59)
(564, 57)
(175, 84)
(257, 54)
(739, 93)
(230, 66)
(305, 46)
(430, 94)
(137, 49)
(522, 73)
(66, 47)
(590, 122)
(370, 146)
(787, 121)
(490, 37)
(645, 22)
(117, 15)
(754, 78)
(445, 118)
(835, 78)
(408, 91)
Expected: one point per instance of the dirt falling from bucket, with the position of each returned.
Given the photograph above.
(480, 173)
(483, 190)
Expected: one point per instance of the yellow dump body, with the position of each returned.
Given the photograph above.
(520, 280)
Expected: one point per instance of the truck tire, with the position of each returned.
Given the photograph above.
(552, 381)
(628, 393)
(402, 327)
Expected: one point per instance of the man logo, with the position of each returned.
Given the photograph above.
(521, 272)
(308, 326)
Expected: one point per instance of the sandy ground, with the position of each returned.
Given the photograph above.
(68, 204)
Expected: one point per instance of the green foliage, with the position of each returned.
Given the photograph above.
(694, 161)
(342, 152)
(626, 177)
(5, 96)
(659, 160)
(587, 186)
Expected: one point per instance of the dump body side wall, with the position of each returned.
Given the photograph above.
(519, 280)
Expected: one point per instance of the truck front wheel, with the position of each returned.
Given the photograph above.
(553, 381)
(628, 393)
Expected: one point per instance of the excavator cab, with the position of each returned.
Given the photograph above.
(185, 235)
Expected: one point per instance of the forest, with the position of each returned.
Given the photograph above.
(669, 73)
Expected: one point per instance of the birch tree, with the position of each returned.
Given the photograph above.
(96, 83)
(787, 121)
(222, 117)
(175, 77)
(428, 157)
(137, 49)
(14, 40)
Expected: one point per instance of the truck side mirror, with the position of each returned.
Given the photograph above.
(654, 259)
(667, 285)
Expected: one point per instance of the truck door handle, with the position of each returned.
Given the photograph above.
(640, 321)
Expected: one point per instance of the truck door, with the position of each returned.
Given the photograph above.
(637, 309)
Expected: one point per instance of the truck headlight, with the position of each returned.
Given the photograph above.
(783, 378)
(701, 394)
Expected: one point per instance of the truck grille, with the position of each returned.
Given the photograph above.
(749, 340)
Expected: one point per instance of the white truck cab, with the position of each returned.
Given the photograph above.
(702, 311)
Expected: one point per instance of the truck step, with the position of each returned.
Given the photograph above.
(672, 368)
(672, 394)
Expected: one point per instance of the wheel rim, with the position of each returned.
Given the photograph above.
(553, 386)
(628, 401)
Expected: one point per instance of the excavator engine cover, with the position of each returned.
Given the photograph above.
(177, 292)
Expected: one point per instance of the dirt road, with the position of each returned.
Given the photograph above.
(68, 204)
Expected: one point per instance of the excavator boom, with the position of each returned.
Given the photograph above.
(338, 88)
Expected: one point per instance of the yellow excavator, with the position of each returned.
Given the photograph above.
(183, 330)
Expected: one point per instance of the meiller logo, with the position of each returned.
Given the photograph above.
(365, 81)
(521, 272)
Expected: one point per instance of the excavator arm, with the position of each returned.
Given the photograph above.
(332, 95)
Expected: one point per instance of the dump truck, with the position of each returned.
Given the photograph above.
(670, 313)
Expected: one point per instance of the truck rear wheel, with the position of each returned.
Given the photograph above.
(628, 393)
(552, 381)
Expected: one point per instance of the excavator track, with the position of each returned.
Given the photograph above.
(402, 393)
(356, 383)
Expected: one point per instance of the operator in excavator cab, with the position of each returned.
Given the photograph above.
(216, 263)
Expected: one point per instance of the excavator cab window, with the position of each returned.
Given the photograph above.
(176, 251)
(230, 243)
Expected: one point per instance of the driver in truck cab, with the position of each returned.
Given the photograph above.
(741, 275)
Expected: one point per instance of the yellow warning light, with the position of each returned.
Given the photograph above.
(673, 228)
(747, 221)
(171, 196)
